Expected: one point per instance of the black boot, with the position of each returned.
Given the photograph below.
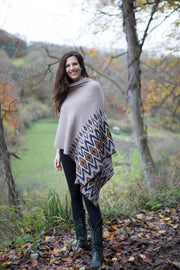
(96, 238)
(81, 233)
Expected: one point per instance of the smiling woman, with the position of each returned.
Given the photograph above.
(84, 147)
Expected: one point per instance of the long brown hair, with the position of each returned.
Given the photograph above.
(62, 80)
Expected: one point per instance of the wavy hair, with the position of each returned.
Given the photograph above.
(62, 81)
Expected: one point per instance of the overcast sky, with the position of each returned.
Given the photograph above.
(60, 22)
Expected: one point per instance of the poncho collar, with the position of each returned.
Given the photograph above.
(81, 82)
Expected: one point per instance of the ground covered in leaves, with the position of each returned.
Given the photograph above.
(146, 241)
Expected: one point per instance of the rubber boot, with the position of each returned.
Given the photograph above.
(81, 233)
(96, 238)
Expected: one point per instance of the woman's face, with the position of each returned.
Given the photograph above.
(73, 68)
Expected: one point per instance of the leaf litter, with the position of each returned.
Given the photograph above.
(145, 241)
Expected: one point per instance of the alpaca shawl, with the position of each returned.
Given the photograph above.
(84, 135)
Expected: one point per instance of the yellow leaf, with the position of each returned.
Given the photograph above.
(6, 264)
(119, 221)
(142, 256)
(106, 234)
(131, 259)
(115, 228)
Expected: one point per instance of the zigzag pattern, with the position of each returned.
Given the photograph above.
(92, 150)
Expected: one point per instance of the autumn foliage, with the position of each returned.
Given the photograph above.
(10, 105)
(14, 46)
(161, 90)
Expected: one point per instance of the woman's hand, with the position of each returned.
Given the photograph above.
(57, 161)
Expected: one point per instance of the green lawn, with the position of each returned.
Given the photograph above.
(35, 170)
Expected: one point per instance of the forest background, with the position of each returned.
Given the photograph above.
(27, 73)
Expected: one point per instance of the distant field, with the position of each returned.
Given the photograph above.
(35, 170)
(18, 62)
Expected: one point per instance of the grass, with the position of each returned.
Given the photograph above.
(34, 218)
(35, 171)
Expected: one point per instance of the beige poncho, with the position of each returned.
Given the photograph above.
(84, 134)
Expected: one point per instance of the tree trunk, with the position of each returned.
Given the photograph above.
(12, 194)
(134, 95)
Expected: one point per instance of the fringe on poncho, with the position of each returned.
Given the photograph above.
(84, 135)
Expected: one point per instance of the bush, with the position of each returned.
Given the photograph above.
(32, 111)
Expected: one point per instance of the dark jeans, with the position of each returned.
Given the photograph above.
(77, 198)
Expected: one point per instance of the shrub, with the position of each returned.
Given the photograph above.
(32, 111)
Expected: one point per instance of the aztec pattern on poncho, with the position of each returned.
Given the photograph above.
(92, 149)
(84, 134)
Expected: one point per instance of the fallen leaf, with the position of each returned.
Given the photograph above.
(132, 259)
(118, 220)
(53, 261)
(6, 264)
(114, 227)
(146, 260)
(34, 263)
(75, 267)
(67, 259)
(106, 234)
(142, 256)
(162, 232)
(140, 216)
(111, 235)
(56, 251)
(121, 237)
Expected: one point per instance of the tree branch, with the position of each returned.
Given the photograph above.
(50, 55)
(106, 13)
(111, 59)
(107, 77)
(149, 22)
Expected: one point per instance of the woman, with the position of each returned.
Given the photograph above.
(84, 146)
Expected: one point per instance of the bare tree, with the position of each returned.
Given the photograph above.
(12, 193)
(134, 88)
(8, 108)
